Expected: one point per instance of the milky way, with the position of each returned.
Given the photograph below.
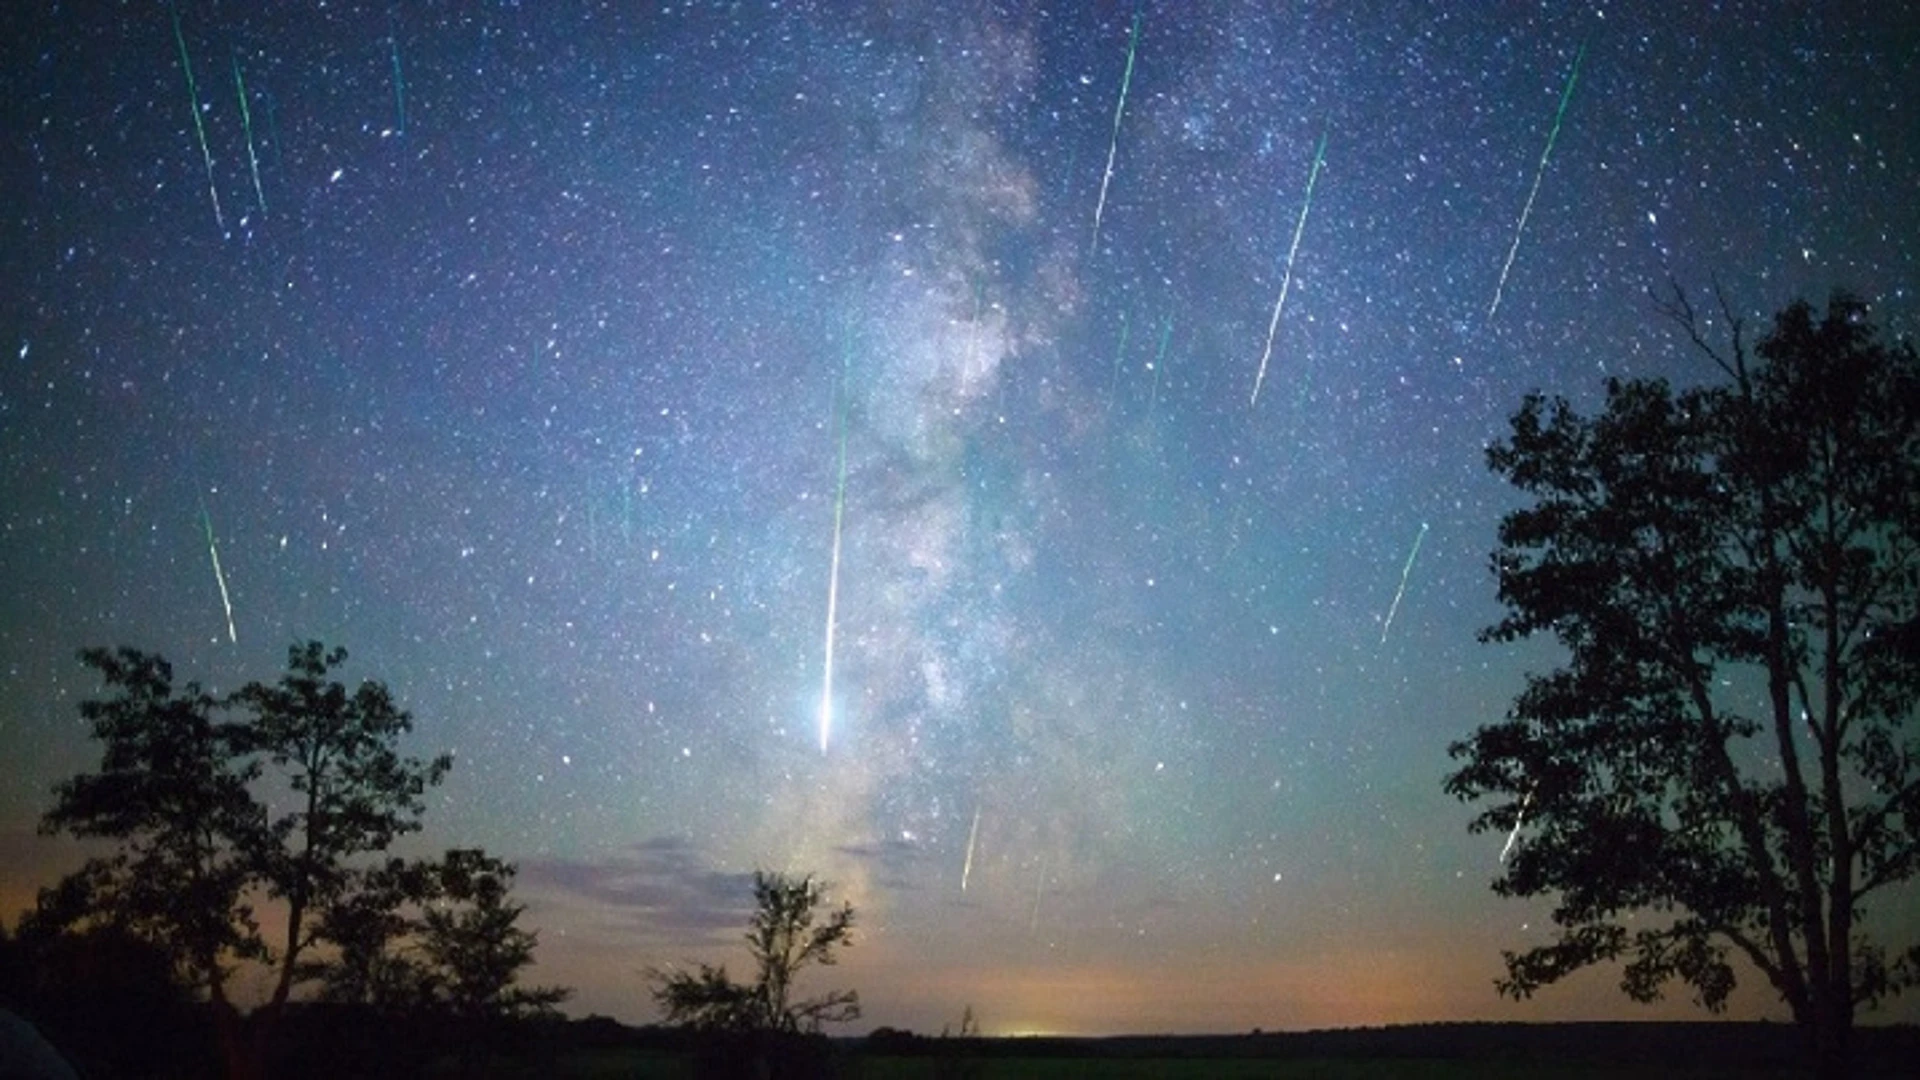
(589, 351)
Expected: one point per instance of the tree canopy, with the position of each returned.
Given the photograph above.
(172, 788)
(199, 846)
(472, 944)
(354, 792)
(1727, 756)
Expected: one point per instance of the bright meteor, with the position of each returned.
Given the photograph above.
(973, 834)
(833, 572)
(219, 575)
(1113, 145)
(1518, 820)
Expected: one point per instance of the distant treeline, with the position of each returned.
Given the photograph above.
(1663, 1047)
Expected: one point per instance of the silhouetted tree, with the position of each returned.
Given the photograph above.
(369, 930)
(354, 794)
(1728, 752)
(706, 999)
(14, 971)
(783, 938)
(473, 947)
(172, 789)
(969, 1026)
(960, 1060)
(112, 1000)
(196, 848)
(435, 935)
(106, 968)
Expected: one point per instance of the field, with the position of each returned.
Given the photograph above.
(611, 1065)
(1428, 1052)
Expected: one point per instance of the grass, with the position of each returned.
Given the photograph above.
(630, 1064)
(1592, 1051)
(1252, 1068)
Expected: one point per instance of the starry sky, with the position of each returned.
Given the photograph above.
(618, 380)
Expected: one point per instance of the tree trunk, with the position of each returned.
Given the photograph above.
(238, 1048)
(1829, 1042)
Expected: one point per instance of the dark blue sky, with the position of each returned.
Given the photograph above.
(523, 372)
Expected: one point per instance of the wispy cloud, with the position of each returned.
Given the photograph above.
(895, 862)
(662, 886)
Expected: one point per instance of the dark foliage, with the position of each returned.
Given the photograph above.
(172, 791)
(784, 936)
(354, 793)
(461, 946)
(1726, 766)
(111, 1001)
(196, 849)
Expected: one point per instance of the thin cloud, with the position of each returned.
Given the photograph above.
(663, 885)
(894, 860)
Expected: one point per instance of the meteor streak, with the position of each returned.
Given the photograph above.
(399, 84)
(1518, 819)
(1039, 890)
(1540, 171)
(833, 573)
(973, 834)
(1319, 156)
(1113, 145)
(246, 122)
(1160, 362)
(200, 128)
(1119, 351)
(219, 575)
(1405, 572)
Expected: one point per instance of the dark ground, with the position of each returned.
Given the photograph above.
(600, 1048)
(343, 1043)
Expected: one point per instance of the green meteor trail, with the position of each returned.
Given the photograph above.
(199, 127)
(1566, 94)
(246, 122)
(399, 84)
(1160, 361)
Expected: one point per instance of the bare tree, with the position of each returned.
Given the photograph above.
(786, 934)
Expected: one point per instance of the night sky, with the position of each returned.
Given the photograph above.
(570, 363)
